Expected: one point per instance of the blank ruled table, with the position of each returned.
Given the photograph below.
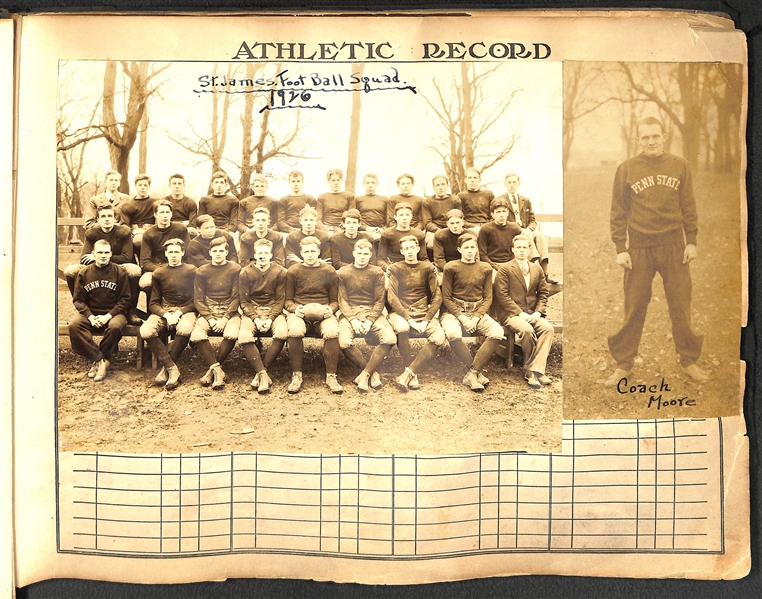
(619, 486)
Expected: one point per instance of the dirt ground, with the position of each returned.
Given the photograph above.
(594, 303)
(127, 413)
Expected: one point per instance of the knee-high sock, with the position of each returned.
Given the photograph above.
(147, 291)
(207, 351)
(426, 353)
(296, 353)
(273, 351)
(177, 347)
(355, 356)
(403, 344)
(486, 351)
(331, 355)
(377, 357)
(135, 292)
(461, 350)
(159, 350)
(223, 351)
(251, 352)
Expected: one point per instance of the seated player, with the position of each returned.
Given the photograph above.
(184, 209)
(308, 220)
(434, 209)
(333, 204)
(215, 295)
(496, 236)
(361, 301)
(290, 206)
(152, 254)
(311, 303)
(110, 196)
(446, 241)
(389, 250)
(260, 230)
(405, 184)
(138, 212)
(372, 208)
(257, 199)
(262, 289)
(120, 240)
(521, 213)
(343, 242)
(171, 308)
(198, 248)
(476, 201)
(414, 297)
(221, 206)
(102, 298)
(466, 299)
(522, 297)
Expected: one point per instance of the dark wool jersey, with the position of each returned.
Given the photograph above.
(102, 290)
(653, 202)
(183, 209)
(223, 209)
(496, 242)
(342, 248)
(476, 205)
(312, 284)
(414, 291)
(120, 239)
(172, 287)
(372, 210)
(434, 211)
(259, 289)
(247, 207)
(138, 212)
(218, 284)
(330, 206)
(288, 211)
(152, 249)
(248, 240)
(414, 201)
(389, 246)
(296, 236)
(468, 283)
(445, 248)
(197, 252)
(361, 287)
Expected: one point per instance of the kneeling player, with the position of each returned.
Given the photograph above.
(361, 301)
(415, 298)
(312, 302)
(466, 298)
(216, 299)
(262, 289)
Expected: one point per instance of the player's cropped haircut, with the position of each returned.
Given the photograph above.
(174, 241)
(373, 176)
(105, 207)
(259, 210)
(473, 169)
(401, 206)
(406, 176)
(513, 174)
(454, 213)
(498, 203)
(263, 243)
(218, 241)
(204, 218)
(409, 238)
(259, 177)
(219, 175)
(307, 210)
(466, 237)
(351, 213)
(363, 244)
(161, 203)
(295, 174)
(438, 177)
(142, 177)
(101, 242)
(113, 172)
(176, 176)
(335, 171)
(309, 240)
(650, 120)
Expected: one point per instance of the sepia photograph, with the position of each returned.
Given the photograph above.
(355, 258)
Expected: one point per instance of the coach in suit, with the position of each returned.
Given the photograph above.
(522, 296)
(108, 197)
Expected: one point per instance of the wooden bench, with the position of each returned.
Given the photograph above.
(129, 331)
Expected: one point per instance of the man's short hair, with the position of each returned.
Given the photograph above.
(176, 176)
(174, 241)
(142, 177)
(309, 240)
(103, 207)
(204, 218)
(650, 120)
(473, 169)
(219, 241)
(258, 210)
(363, 244)
(263, 243)
(295, 174)
(400, 205)
(259, 177)
(406, 176)
(513, 174)
(307, 210)
(435, 179)
(351, 213)
(455, 212)
(112, 172)
(498, 203)
(161, 203)
(219, 175)
(409, 238)
(464, 237)
(335, 171)
(101, 242)
(519, 238)
(373, 176)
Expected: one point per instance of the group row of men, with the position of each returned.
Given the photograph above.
(330, 278)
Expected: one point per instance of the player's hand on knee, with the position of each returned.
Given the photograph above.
(366, 327)
(299, 311)
(356, 326)
(623, 259)
(219, 325)
(690, 253)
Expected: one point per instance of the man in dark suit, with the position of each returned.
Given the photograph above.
(110, 196)
(522, 296)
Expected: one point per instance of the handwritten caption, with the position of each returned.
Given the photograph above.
(655, 393)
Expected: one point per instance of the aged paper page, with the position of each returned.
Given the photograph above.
(440, 483)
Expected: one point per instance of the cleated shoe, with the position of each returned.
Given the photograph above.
(414, 384)
(333, 384)
(206, 380)
(161, 378)
(545, 379)
(375, 381)
(532, 381)
(362, 381)
(264, 382)
(696, 374)
(615, 377)
(403, 380)
(173, 374)
(102, 370)
(218, 378)
(472, 382)
(255, 380)
(296, 383)
(93, 369)
(482, 379)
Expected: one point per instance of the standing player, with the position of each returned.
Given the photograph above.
(332, 205)
(308, 220)
(221, 206)
(257, 199)
(653, 206)
(496, 237)
(171, 307)
(476, 201)
(522, 297)
(184, 209)
(343, 243)
(361, 301)
(110, 196)
(434, 209)
(405, 184)
(102, 298)
(290, 206)
(152, 254)
(389, 249)
(198, 248)
(262, 289)
(260, 230)
(446, 241)
(215, 295)
(414, 298)
(372, 208)
(312, 302)
(138, 212)
(466, 299)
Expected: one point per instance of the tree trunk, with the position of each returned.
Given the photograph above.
(143, 143)
(354, 135)
(247, 122)
(468, 130)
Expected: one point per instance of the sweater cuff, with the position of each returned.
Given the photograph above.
(621, 247)
(690, 239)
